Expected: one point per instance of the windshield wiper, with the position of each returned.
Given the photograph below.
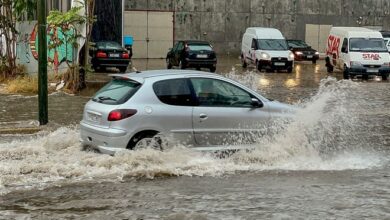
(105, 98)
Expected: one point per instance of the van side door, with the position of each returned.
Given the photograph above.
(343, 58)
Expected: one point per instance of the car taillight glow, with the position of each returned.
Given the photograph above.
(125, 56)
(120, 114)
(101, 54)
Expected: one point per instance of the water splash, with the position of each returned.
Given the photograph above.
(322, 136)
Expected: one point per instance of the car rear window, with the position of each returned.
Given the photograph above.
(173, 92)
(108, 45)
(116, 92)
(199, 47)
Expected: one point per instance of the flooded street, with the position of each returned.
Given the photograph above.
(330, 162)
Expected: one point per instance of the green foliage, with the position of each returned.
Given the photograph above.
(24, 7)
(63, 19)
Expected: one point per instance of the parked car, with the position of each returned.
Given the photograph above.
(198, 109)
(266, 48)
(195, 54)
(109, 54)
(302, 51)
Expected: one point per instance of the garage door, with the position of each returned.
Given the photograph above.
(317, 35)
(152, 32)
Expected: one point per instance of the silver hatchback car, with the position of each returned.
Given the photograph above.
(201, 110)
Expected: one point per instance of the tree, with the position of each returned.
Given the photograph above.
(69, 22)
(12, 11)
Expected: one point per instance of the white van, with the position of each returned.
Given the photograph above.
(267, 49)
(357, 51)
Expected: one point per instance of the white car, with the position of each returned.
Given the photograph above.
(201, 110)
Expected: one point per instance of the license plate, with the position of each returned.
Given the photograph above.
(279, 64)
(372, 70)
(114, 55)
(201, 56)
(94, 117)
(309, 57)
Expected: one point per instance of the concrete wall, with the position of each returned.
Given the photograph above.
(224, 21)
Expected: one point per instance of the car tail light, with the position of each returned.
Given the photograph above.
(120, 114)
(125, 55)
(101, 54)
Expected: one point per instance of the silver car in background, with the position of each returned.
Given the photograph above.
(201, 110)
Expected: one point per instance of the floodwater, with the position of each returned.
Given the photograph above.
(330, 162)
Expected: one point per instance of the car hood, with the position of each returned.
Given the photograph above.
(283, 109)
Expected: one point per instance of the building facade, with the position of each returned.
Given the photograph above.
(223, 22)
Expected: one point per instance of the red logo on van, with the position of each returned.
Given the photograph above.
(371, 56)
(333, 46)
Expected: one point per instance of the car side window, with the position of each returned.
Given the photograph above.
(175, 47)
(180, 47)
(173, 92)
(218, 93)
(344, 48)
(254, 44)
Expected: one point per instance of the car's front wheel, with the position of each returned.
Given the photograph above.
(169, 65)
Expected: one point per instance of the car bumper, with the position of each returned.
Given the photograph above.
(359, 70)
(199, 63)
(276, 65)
(306, 57)
(106, 140)
(110, 62)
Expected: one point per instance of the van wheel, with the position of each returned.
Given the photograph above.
(258, 66)
(385, 77)
(243, 63)
(346, 72)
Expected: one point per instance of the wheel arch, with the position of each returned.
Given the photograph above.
(139, 135)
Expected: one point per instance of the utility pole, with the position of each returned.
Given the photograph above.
(42, 63)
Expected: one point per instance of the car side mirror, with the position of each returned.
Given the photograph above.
(256, 103)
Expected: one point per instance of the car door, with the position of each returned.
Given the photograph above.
(252, 52)
(178, 52)
(224, 114)
(343, 54)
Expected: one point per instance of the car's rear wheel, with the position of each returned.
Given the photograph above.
(169, 65)
(144, 140)
(181, 65)
(122, 69)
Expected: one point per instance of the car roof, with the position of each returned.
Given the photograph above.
(140, 76)
(195, 42)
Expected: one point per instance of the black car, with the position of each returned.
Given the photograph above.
(109, 54)
(302, 51)
(195, 54)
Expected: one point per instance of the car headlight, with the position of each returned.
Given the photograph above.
(317, 53)
(298, 53)
(291, 56)
(355, 63)
(265, 56)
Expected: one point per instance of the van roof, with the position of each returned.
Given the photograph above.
(265, 33)
(356, 32)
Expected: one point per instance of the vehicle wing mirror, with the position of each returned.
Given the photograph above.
(256, 103)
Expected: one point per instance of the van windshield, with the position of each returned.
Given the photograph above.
(272, 44)
(367, 45)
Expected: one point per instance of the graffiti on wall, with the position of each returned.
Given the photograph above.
(27, 47)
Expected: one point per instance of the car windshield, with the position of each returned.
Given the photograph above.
(297, 44)
(116, 92)
(272, 44)
(199, 47)
(367, 44)
(108, 45)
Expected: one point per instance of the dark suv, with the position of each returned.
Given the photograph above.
(195, 54)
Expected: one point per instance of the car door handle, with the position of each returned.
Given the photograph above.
(203, 116)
